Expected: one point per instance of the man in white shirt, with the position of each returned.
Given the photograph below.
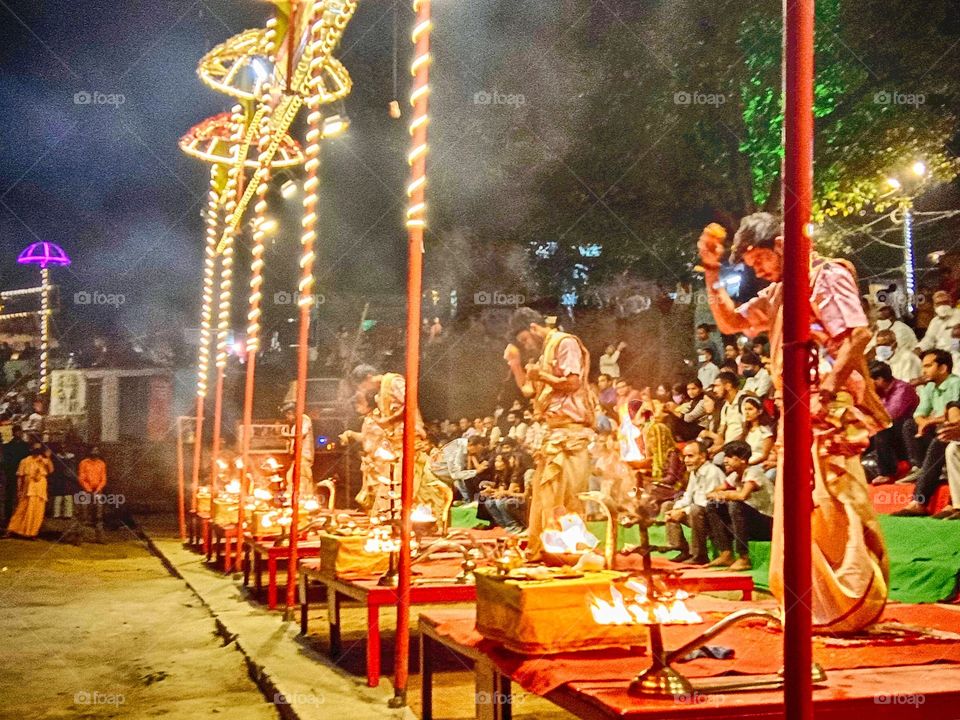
(904, 364)
(741, 510)
(708, 370)
(938, 335)
(610, 360)
(887, 320)
(691, 508)
(727, 388)
(758, 381)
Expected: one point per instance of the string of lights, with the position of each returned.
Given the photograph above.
(260, 227)
(209, 274)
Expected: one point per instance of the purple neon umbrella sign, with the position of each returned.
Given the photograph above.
(44, 254)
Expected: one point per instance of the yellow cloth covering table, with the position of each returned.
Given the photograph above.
(549, 616)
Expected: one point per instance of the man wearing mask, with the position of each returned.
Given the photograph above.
(939, 335)
(707, 337)
(904, 365)
(887, 320)
(708, 370)
(758, 381)
(900, 399)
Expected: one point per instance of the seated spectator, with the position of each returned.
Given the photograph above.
(707, 369)
(731, 352)
(690, 509)
(464, 426)
(949, 432)
(705, 337)
(490, 431)
(759, 434)
(464, 463)
(758, 381)
(900, 399)
(887, 321)
(657, 439)
(503, 495)
(610, 475)
(938, 335)
(926, 449)
(606, 392)
(760, 349)
(904, 364)
(727, 388)
(740, 511)
(691, 415)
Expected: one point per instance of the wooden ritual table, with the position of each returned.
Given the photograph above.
(370, 595)
(260, 550)
(929, 690)
(198, 528)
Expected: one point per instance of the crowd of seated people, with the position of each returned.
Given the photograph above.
(703, 453)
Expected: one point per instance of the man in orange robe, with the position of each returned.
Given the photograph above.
(850, 563)
(558, 385)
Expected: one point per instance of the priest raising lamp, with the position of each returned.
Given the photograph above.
(46, 255)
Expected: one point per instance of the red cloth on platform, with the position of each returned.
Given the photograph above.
(758, 648)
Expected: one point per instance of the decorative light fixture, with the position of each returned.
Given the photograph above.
(46, 255)
(335, 126)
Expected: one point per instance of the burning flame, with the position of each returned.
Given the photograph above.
(232, 487)
(422, 514)
(641, 609)
(270, 465)
(381, 540)
(572, 537)
(262, 494)
(311, 505)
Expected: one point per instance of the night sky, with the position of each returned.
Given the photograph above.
(106, 180)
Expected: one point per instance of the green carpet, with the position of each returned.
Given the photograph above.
(465, 516)
(924, 553)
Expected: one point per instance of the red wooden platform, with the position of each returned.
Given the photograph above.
(887, 678)
(892, 497)
(372, 597)
(257, 550)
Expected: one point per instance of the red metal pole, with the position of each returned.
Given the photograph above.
(215, 446)
(311, 196)
(197, 454)
(301, 403)
(798, 60)
(181, 510)
(245, 446)
(416, 212)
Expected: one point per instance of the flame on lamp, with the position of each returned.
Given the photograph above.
(422, 514)
(232, 487)
(311, 505)
(262, 494)
(640, 609)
